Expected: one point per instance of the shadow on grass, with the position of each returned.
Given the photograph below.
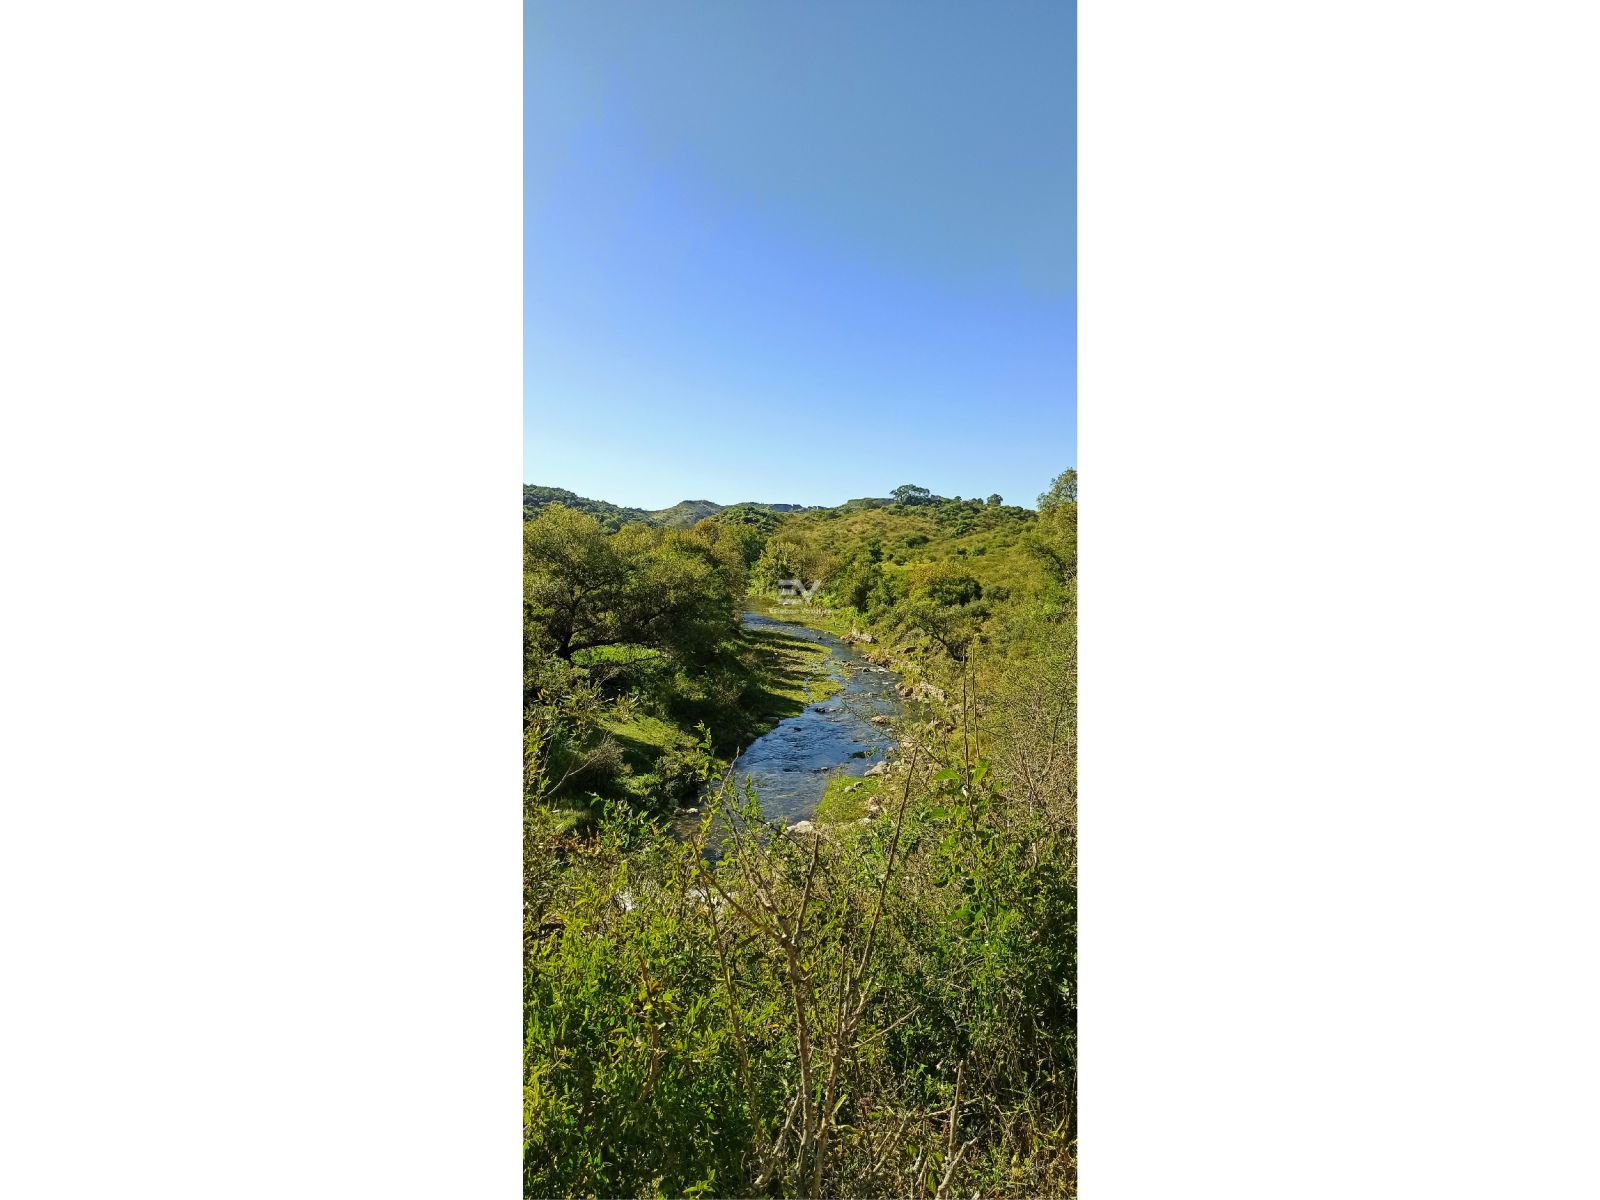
(637, 752)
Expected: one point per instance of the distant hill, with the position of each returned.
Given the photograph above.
(681, 515)
(611, 516)
(685, 513)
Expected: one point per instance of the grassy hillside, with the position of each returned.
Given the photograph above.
(684, 513)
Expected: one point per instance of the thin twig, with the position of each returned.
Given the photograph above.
(888, 869)
(738, 1029)
(791, 947)
(950, 1170)
(955, 1110)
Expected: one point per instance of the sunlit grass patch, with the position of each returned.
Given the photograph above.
(845, 798)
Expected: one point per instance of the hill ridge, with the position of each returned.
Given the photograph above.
(681, 515)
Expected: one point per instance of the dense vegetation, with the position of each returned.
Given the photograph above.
(885, 1006)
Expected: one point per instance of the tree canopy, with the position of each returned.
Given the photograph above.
(910, 493)
(582, 588)
(1063, 490)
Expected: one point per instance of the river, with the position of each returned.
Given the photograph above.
(790, 764)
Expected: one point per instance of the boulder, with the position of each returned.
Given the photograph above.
(877, 768)
(802, 828)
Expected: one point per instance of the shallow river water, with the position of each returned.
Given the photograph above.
(790, 764)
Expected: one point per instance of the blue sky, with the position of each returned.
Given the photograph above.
(799, 252)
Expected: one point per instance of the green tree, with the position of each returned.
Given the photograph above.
(682, 592)
(747, 537)
(572, 581)
(910, 493)
(946, 603)
(860, 579)
(1063, 490)
(790, 556)
(672, 589)
(945, 584)
(1054, 537)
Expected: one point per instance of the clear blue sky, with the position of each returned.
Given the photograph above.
(800, 252)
